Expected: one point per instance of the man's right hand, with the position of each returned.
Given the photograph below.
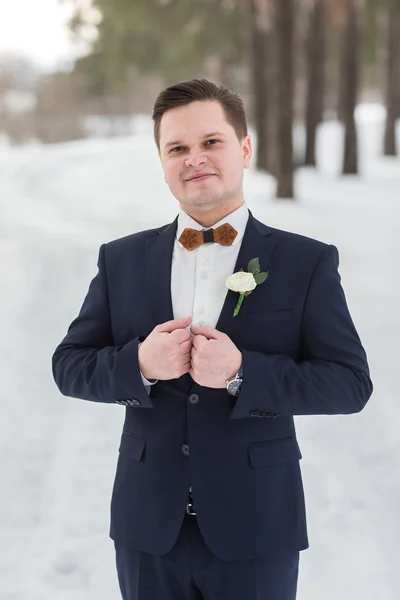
(166, 352)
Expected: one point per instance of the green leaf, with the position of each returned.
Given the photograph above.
(254, 266)
(260, 277)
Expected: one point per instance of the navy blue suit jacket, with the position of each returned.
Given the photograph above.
(301, 356)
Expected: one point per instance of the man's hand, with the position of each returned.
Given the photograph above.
(215, 358)
(165, 353)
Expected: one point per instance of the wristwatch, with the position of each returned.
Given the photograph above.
(233, 385)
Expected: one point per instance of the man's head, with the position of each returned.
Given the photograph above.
(200, 130)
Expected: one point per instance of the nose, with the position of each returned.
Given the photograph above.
(195, 159)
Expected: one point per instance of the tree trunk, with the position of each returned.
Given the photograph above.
(350, 83)
(316, 49)
(392, 74)
(260, 56)
(284, 27)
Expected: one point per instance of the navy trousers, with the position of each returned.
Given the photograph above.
(191, 572)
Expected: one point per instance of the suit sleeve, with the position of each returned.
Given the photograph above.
(87, 365)
(333, 375)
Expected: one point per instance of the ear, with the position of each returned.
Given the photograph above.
(247, 151)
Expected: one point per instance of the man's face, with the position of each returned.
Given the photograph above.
(201, 156)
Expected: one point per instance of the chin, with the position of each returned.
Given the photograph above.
(204, 199)
(208, 202)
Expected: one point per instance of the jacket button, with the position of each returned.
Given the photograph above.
(263, 414)
(194, 398)
(185, 449)
(135, 402)
(255, 413)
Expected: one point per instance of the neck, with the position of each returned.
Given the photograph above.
(210, 218)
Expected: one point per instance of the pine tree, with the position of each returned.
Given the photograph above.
(350, 82)
(392, 72)
(284, 34)
(260, 63)
(316, 50)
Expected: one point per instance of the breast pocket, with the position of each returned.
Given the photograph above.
(273, 331)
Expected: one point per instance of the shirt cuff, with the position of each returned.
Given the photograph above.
(148, 381)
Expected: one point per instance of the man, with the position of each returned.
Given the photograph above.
(208, 500)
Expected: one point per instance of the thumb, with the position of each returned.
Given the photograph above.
(209, 332)
(170, 326)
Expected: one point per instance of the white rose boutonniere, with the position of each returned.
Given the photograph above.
(244, 282)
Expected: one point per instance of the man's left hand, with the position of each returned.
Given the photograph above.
(214, 357)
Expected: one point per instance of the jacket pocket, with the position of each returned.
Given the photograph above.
(132, 446)
(273, 452)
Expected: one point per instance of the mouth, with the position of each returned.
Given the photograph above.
(201, 177)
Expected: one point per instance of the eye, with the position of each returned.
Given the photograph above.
(212, 142)
(176, 149)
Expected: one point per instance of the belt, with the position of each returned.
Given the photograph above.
(189, 505)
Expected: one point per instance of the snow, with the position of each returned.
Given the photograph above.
(57, 205)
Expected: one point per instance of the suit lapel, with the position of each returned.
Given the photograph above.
(159, 251)
(257, 242)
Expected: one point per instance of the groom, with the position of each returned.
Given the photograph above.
(208, 499)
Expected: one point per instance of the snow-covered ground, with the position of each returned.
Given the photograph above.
(58, 455)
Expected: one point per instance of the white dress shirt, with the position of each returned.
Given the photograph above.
(198, 277)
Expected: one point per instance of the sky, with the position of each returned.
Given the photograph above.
(37, 29)
(58, 203)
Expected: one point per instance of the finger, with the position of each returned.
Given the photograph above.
(209, 332)
(195, 358)
(180, 335)
(186, 366)
(199, 340)
(185, 347)
(170, 326)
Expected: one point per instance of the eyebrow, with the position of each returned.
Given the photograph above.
(208, 135)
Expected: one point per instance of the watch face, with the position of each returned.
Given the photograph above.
(234, 386)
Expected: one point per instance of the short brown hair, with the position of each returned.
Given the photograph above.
(194, 90)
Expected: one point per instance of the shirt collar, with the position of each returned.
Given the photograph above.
(238, 219)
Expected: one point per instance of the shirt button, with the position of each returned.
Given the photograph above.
(205, 261)
(185, 449)
(204, 275)
(201, 323)
(200, 310)
(194, 398)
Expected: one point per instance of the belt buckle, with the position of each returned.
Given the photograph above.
(189, 506)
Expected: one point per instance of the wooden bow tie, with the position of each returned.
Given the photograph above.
(224, 234)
